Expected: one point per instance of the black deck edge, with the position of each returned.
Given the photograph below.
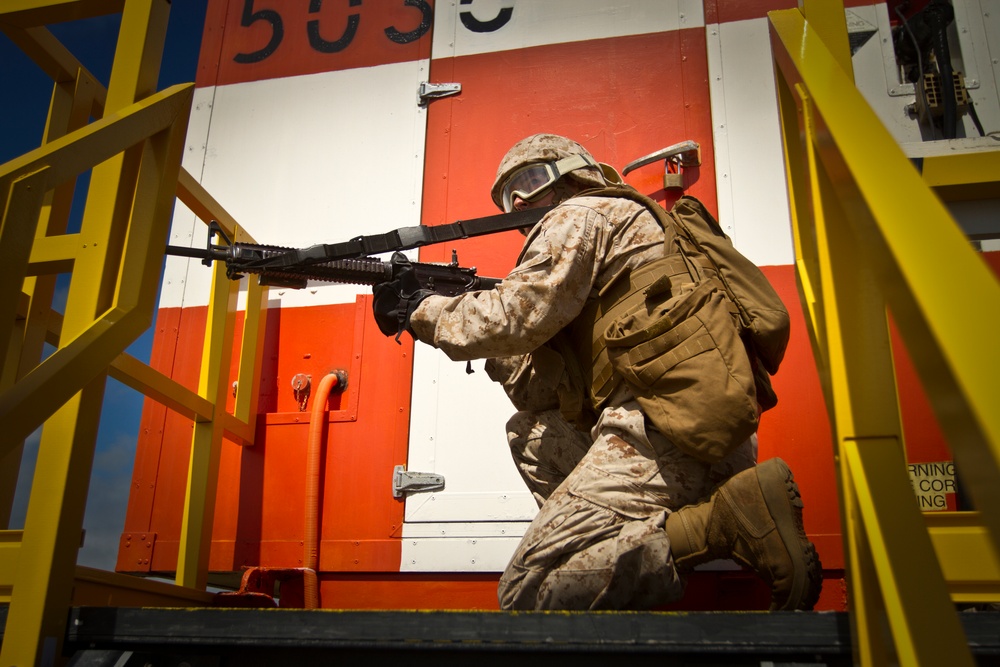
(769, 632)
(214, 630)
(740, 632)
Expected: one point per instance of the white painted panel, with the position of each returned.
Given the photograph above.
(457, 554)
(534, 23)
(499, 505)
(479, 549)
(481, 546)
(184, 224)
(749, 163)
(458, 420)
(458, 429)
(468, 529)
(308, 159)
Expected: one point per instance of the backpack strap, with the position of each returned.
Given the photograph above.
(700, 265)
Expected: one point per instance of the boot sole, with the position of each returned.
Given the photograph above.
(785, 505)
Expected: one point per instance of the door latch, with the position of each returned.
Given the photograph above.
(431, 91)
(676, 157)
(404, 482)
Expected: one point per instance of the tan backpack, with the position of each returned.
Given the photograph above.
(695, 334)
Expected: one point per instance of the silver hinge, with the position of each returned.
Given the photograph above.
(431, 91)
(404, 482)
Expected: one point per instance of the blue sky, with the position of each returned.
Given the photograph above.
(23, 106)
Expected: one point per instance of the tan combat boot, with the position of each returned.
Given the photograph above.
(754, 518)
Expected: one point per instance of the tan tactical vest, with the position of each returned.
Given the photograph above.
(671, 330)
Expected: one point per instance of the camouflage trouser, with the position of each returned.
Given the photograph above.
(598, 541)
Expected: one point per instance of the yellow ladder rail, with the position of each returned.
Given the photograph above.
(134, 150)
(868, 230)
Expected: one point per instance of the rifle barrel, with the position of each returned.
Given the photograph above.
(184, 251)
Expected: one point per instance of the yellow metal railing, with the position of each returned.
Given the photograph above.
(133, 152)
(872, 238)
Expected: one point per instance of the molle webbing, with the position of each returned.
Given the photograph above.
(628, 289)
(623, 293)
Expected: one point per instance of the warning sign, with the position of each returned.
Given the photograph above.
(934, 484)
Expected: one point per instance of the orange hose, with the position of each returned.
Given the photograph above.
(317, 426)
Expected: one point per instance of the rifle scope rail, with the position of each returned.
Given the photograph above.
(254, 259)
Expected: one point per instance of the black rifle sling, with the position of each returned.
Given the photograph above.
(406, 238)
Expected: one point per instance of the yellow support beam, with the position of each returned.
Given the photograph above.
(963, 176)
(31, 13)
(924, 625)
(20, 410)
(110, 299)
(971, 567)
(866, 229)
(828, 19)
(206, 444)
(134, 151)
(56, 61)
(21, 198)
(945, 330)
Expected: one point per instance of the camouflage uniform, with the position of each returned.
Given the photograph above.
(598, 541)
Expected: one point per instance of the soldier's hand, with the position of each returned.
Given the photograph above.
(394, 301)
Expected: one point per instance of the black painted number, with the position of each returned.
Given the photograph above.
(339, 44)
(494, 24)
(324, 45)
(426, 18)
(277, 32)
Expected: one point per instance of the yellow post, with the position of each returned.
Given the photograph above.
(866, 229)
(47, 555)
(206, 444)
(69, 109)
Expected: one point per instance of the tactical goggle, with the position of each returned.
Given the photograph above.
(531, 181)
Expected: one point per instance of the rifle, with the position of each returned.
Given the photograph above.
(351, 262)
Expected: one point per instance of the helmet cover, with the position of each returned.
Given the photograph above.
(544, 148)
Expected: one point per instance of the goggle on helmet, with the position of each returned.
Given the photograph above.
(531, 181)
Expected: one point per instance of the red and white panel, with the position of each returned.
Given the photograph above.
(307, 129)
(624, 79)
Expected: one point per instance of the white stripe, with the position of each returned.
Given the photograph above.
(540, 22)
(304, 160)
(480, 554)
(749, 163)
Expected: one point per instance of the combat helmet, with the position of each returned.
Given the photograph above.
(536, 163)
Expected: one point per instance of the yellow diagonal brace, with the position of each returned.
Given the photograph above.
(828, 19)
(163, 389)
(194, 195)
(74, 153)
(81, 355)
(26, 13)
(947, 332)
(55, 60)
